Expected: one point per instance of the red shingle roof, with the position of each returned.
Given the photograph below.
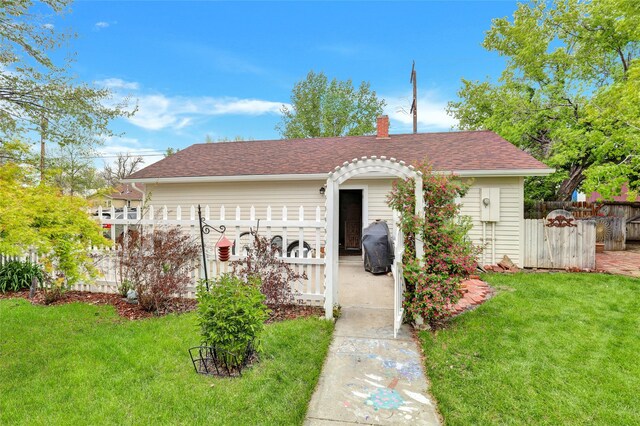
(126, 191)
(451, 151)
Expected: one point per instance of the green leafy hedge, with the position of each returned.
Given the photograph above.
(231, 314)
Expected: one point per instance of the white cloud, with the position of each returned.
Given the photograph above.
(158, 111)
(101, 24)
(432, 114)
(117, 83)
(49, 26)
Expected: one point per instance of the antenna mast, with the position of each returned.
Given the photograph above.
(414, 104)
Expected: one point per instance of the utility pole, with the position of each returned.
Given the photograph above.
(414, 104)
(43, 131)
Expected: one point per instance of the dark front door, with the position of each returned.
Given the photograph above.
(350, 220)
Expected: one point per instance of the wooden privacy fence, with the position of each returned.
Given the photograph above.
(578, 209)
(612, 232)
(627, 210)
(559, 247)
(301, 234)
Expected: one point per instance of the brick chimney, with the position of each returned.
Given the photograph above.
(383, 127)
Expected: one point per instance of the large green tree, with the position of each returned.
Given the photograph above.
(39, 97)
(570, 93)
(323, 108)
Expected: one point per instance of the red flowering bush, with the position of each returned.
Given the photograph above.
(433, 282)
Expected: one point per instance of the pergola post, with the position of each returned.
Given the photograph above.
(420, 213)
(330, 253)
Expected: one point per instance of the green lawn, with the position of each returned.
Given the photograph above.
(82, 364)
(547, 349)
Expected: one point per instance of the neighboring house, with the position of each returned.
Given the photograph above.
(125, 194)
(597, 197)
(295, 173)
(624, 195)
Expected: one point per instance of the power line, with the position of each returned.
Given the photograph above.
(129, 153)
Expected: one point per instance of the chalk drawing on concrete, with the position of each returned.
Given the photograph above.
(411, 370)
(418, 397)
(385, 398)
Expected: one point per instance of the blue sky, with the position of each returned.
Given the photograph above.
(224, 69)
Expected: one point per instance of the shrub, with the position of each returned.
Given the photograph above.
(124, 287)
(158, 265)
(231, 314)
(274, 274)
(433, 282)
(17, 275)
(55, 283)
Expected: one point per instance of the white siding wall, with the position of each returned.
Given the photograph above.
(508, 229)
(306, 193)
(242, 194)
(277, 194)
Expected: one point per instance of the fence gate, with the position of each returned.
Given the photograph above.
(398, 280)
(559, 242)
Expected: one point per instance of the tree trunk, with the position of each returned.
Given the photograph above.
(570, 184)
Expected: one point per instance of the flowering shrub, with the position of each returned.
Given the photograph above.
(433, 282)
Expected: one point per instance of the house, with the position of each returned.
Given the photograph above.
(125, 194)
(349, 178)
(292, 173)
(624, 196)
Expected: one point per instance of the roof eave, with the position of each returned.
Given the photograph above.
(323, 176)
(506, 172)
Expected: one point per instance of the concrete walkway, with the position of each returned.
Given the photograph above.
(369, 377)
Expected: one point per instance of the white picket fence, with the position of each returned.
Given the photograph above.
(30, 256)
(306, 231)
(559, 247)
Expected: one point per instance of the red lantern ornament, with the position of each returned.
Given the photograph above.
(224, 249)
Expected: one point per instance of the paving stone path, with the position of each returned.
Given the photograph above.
(474, 293)
(619, 262)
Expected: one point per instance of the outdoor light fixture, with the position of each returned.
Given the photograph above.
(486, 202)
(323, 189)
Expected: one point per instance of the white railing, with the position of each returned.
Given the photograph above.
(398, 279)
(305, 233)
